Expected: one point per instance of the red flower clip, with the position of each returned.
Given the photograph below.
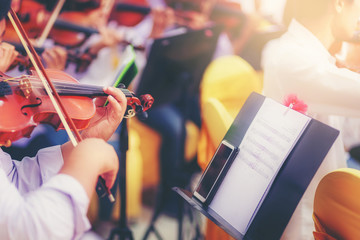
(293, 102)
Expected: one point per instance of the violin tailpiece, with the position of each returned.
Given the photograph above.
(5, 89)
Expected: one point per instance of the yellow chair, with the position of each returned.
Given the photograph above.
(226, 84)
(337, 206)
(149, 146)
(230, 80)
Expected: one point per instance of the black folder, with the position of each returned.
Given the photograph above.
(290, 182)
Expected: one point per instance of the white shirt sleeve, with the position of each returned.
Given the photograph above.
(302, 66)
(30, 173)
(45, 206)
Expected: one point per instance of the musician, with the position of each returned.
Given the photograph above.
(46, 197)
(169, 119)
(299, 63)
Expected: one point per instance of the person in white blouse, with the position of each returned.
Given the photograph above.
(299, 63)
(46, 197)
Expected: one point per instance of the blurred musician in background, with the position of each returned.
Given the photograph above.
(169, 119)
(299, 63)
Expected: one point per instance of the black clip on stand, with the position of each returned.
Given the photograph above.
(122, 230)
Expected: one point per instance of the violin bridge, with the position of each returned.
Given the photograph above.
(25, 87)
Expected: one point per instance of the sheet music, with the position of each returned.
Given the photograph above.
(266, 144)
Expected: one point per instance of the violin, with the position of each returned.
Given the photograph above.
(72, 29)
(129, 12)
(81, 59)
(51, 93)
(33, 16)
(24, 103)
(87, 20)
(71, 35)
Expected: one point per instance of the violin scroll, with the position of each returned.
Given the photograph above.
(137, 106)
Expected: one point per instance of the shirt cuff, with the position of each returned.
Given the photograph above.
(69, 186)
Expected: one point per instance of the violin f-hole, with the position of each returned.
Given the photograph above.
(39, 102)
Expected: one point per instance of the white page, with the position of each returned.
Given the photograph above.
(266, 144)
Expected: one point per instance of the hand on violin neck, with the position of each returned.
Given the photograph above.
(97, 18)
(7, 56)
(162, 19)
(109, 37)
(91, 158)
(55, 58)
(108, 118)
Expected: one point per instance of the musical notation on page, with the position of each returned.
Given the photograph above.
(268, 141)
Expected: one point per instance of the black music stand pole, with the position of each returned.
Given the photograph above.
(122, 230)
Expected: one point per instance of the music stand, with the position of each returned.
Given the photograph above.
(125, 74)
(293, 173)
(173, 72)
(175, 64)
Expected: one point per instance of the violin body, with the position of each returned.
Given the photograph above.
(27, 106)
(24, 104)
(129, 12)
(33, 16)
(67, 37)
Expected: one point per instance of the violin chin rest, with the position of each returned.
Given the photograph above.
(5, 89)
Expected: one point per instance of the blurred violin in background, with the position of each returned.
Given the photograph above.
(72, 29)
(33, 16)
(81, 59)
(129, 12)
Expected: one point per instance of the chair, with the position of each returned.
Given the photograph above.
(336, 206)
(226, 84)
(149, 145)
(229, 80)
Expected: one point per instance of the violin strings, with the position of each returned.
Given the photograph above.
(70, 89)
(8, 79)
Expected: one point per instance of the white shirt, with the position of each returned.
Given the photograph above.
(272, 9)
(298, 63)
(36, 202)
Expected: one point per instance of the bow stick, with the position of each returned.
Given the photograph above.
(40, 40)
(50, 89)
